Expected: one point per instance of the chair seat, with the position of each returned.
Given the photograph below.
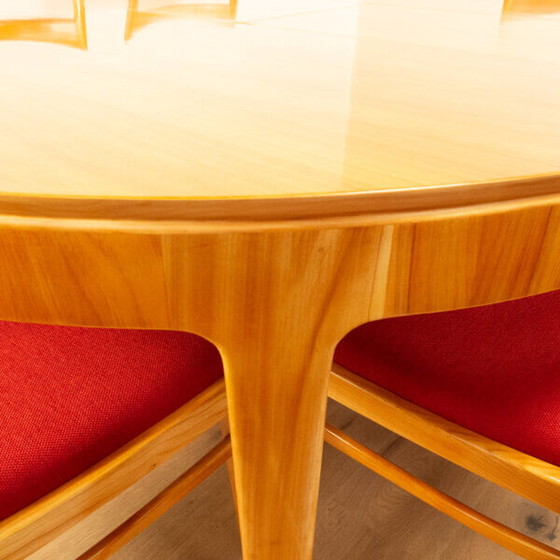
(494, 370)
(71, 396)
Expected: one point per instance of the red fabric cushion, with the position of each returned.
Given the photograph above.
(492, 369)
(71, 396)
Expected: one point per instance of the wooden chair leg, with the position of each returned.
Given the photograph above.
(520, 473)
(130, 15)
(505, 536)
(224, 428)
(80, 19)
(160, 504)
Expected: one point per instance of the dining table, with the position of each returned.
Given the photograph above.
(270, 174)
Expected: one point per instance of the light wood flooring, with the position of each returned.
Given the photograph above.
(361, 516)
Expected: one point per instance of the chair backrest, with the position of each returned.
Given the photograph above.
(530, 7)
(139, 17)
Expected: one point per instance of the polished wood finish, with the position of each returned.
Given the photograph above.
(499, 533)
(70, 32)
(300, 285)
(368, 97)
(194, 179)
(530, 7)
(193, 275)
(276, 212)
(33, 527)
(528, 476)
(224, 429)
(154, 509)
(360, 515)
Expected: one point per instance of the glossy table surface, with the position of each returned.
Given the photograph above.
(296, 118)
(276, 98)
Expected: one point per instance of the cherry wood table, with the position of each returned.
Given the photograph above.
(270, 175)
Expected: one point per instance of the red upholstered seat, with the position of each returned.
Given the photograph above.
(492, 369)
(71, 396)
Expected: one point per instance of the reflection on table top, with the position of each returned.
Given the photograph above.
(270, 97)
(54, 26)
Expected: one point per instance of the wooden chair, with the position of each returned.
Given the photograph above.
(69, 397)
(71, 32)
(478, 387)
(137, 18)
(516, 8)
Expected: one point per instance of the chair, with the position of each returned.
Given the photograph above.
(64, 31)
(514, 8)
(88, 412)
(477, 386)
(137, 18)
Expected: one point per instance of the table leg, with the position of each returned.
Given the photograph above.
(277, 397)
(276, 304)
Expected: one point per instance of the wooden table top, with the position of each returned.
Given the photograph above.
(283, 98)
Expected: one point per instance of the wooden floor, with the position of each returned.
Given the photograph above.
(361, 516)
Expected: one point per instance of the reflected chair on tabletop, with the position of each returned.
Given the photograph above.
(478, 386)
(59, 30)
(530, 7)
(138, 17)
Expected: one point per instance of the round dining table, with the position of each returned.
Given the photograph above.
(270, 175)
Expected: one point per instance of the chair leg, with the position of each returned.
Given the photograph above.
(160, 504)
(522, 474)
(501, 534)
(224, 428)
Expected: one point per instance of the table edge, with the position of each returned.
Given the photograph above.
(284, 208)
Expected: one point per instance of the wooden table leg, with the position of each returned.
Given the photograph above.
(277, 350)
(277, 395)
(276, 303)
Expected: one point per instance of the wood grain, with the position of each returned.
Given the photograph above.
(361, 515)
(532, 478)
(526, 7)
(366, 97)
(270, 186)
(275, 301)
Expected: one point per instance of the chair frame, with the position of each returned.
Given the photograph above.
(516, 8)
(70, 32)
(523, 474)
(137, 19)
(36, 525)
